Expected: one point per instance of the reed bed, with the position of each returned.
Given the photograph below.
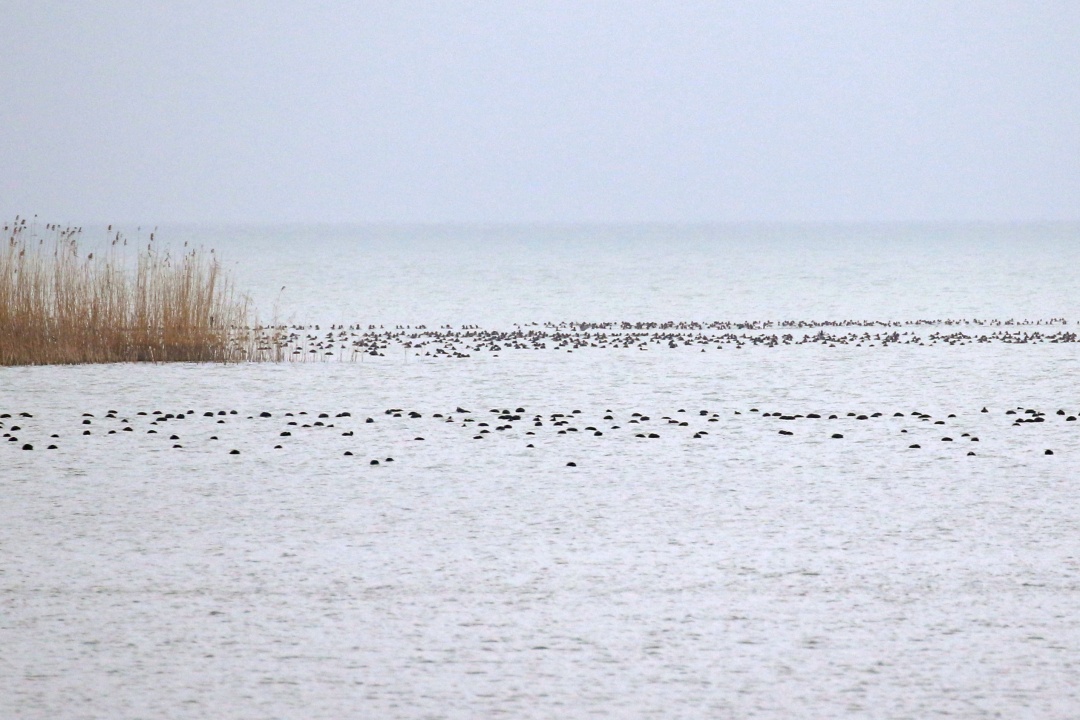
(62, 305)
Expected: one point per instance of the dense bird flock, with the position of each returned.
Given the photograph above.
(342, 433)
(307, 343)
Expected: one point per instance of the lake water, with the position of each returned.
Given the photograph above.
(719, 569)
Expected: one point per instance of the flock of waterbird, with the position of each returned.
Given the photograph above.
(311, 343)
(212, 430)
(282, 430)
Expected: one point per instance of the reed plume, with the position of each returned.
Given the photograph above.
(60, 306)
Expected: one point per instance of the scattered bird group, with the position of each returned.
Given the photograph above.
(176, 431)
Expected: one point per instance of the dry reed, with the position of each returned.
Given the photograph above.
(60, 306)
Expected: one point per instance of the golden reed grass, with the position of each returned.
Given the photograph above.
(59, 305)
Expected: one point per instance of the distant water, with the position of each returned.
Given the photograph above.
(721, 569)
(496, 276)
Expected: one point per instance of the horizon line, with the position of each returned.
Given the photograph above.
(563, 224)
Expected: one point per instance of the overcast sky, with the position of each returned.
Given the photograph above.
(515, 111)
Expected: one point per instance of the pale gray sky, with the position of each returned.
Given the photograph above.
(516, 111)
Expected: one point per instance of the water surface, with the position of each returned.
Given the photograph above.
(743, 573)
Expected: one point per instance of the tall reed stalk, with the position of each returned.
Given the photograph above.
(60, 305)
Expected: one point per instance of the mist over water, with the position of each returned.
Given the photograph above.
(496, 276)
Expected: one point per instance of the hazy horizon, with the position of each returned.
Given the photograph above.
(614, 113)
(569, 225)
